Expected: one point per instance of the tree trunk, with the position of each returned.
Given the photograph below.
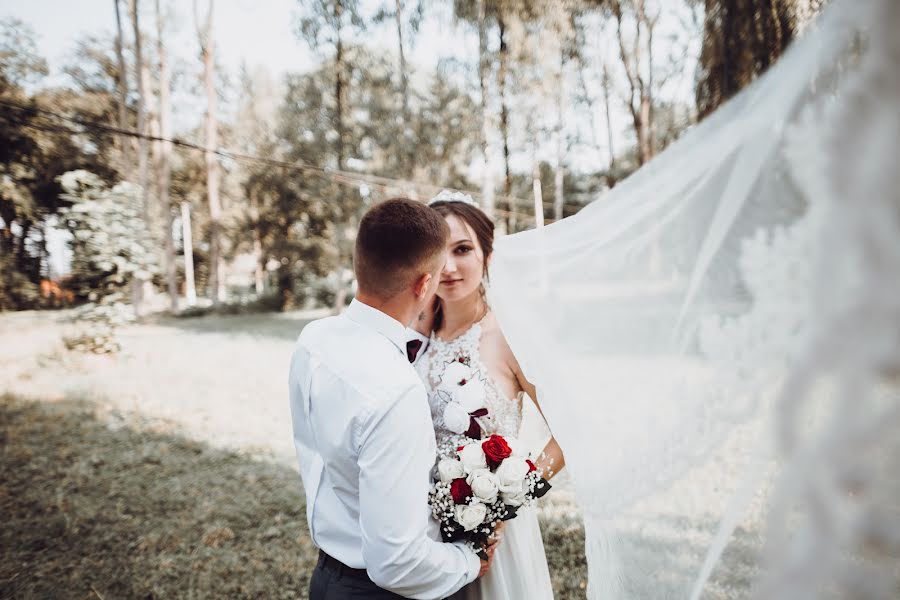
(640, 95)
(339, 86)
(504, 122)
(487, 186)
(644, 127)
(286, 288)
(559, 175)
(258, 272)
(45, 270)
(589, 101)
(610, 180)
(190, 289)
(538, 195)
(339, 99)
(647, 108)
(165, 165)
(409, 148)
(122, 90)
(216, 265)
(143, 148)
(741, 39)
(20, 253)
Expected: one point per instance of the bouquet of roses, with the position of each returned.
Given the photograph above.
(484, 484)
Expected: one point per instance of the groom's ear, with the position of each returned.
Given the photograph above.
(420, 287)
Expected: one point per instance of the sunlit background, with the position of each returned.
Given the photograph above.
(180, 184)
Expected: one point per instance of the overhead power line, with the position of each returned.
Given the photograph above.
(348, 178)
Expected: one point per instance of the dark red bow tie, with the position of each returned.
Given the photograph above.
(412, 349)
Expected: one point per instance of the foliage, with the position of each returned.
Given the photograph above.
(19, 59)
(363, 113)
(110, 245)
(17, 291)
(301, 217)
(111, 250)
(95, 327)
(32, 157)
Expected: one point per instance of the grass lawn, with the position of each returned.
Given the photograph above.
(168, 471)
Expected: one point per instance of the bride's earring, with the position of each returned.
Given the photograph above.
(483, 288)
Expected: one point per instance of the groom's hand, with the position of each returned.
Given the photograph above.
(486, 564)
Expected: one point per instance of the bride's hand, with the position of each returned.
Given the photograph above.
(491, 548)
(498, 533)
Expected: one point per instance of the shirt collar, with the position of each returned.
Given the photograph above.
(373, 318)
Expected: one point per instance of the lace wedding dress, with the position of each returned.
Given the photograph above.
(519, 569)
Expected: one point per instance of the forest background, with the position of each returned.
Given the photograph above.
(145, 164)
(180, 184)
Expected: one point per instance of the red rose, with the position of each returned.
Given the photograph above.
(496, 449)
(531, 466)
(460, 490)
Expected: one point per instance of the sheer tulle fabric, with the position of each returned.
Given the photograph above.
(659, 323)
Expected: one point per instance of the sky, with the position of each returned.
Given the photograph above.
(258, 32)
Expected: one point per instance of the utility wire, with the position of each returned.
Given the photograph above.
(342, 177)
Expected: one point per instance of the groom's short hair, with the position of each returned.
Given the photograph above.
(397, 241)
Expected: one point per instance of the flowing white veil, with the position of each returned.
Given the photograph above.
(660, 322)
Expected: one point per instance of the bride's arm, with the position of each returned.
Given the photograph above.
(551, 461)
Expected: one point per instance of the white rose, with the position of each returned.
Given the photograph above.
(450, 469)
(456, 419)
(516, 497)
(471, 395)
(472, 457)
(471, 516)
(517, 447)
(453, 374)
(511, 474)
(484, 485)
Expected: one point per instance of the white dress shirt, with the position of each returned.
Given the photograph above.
(365, 442)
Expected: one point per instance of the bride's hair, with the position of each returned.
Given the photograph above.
(481, 225)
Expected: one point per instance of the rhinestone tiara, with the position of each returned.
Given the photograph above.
(453, 196)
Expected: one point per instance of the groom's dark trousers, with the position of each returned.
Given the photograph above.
(332, 580)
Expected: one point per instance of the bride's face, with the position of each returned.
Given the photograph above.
(464, 268)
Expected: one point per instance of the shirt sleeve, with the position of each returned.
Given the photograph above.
(396, 454)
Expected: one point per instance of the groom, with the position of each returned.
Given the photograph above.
(363, 429)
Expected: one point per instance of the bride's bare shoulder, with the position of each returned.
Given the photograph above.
(492, 338)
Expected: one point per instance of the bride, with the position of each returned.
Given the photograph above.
(462, 326)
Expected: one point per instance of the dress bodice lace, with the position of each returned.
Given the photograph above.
(504, 414)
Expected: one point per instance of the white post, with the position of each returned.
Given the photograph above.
(187, 242)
